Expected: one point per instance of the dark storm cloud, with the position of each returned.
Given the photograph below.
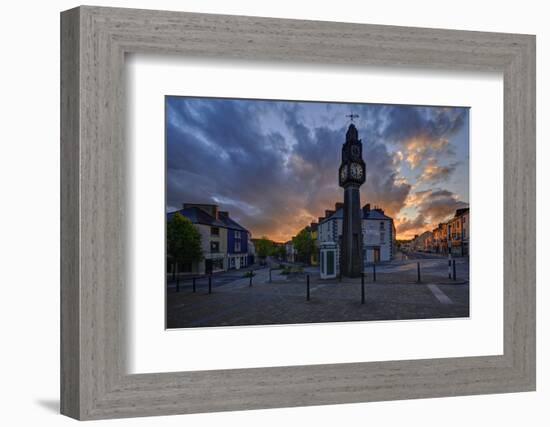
(316, 157)
(404, 123)
(274, 165)
(216, 153)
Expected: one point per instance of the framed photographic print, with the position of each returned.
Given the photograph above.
(276, 213)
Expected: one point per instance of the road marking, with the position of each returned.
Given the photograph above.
(438, 293)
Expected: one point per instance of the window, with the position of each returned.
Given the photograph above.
(237, 246)
(381, 225)
(237, 234)
(215, 231)
(214, 247)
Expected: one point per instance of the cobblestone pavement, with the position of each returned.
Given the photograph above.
(396, 294)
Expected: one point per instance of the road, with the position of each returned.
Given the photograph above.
(395, 293)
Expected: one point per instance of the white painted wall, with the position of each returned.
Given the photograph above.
(29, 172)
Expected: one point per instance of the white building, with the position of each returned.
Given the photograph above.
(290, 251)
(378, 234)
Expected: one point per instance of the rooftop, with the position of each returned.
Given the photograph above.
(375, 214)
(198, 216)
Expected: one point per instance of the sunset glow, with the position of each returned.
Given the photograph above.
(273, 165)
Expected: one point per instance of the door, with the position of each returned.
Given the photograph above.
(330, 263)
(376, 254)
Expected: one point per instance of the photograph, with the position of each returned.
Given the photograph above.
(293, 212)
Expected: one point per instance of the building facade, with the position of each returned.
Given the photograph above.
(225, 243)
(378, 234)
(458, 233)
(451, 237)
(290, 252)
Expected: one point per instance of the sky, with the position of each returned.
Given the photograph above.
(274, 164)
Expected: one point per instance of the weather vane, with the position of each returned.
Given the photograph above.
(352, 116)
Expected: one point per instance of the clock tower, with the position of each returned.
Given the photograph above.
(351, 177)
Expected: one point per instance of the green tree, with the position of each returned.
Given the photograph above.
(264, 247)
(279, 251)
(304, 245)
(183, 240)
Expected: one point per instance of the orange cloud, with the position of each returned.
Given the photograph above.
(420, 147)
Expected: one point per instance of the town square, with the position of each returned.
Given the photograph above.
(313, 223)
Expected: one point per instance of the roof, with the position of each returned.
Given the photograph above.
(229, 223)
(371, 214)
(198, 216)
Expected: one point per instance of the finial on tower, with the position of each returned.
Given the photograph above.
(352, 116)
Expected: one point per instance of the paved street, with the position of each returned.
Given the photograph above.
(395, 294)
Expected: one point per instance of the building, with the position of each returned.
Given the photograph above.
(225, 243)
(290, 251)
(452, 236)
(439, 244)
(458, 233)
(237, 242)
(421, 243)
(378, 234)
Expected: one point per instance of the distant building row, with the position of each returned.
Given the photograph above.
(225, 243)
(451, 237)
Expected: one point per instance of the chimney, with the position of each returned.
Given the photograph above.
(366, 208)
(338, 205)
(223, 214)
(328, 213)
(320, 219)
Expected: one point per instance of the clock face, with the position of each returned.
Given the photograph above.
(356, 171)
(355, 152)
(343, 173)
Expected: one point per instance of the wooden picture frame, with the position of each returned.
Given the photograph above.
(94, 382)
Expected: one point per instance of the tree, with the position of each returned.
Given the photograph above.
(279, 252)
(304, 245)
(264, 247)
(183, 240)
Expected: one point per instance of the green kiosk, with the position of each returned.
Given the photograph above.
(329, 260)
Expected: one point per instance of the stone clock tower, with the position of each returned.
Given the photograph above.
(351, 177)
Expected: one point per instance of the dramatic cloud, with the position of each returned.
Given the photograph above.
(273, 165)
(433, 173)
(433, 207)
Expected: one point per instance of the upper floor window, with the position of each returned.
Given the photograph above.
(215, 231)
(237, 246)
(381, 225)
(214, 247)
(237, 234)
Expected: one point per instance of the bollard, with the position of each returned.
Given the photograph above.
(374, 272)
(269, 274)
(418, 271)
(178, 283)
(362, 288)
(194, 284)
(250, 282)
(454, 269)
(449, 265)
(210, 284)
(307, 287)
